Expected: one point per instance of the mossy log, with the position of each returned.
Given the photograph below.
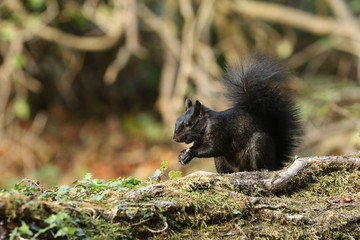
(313, 198)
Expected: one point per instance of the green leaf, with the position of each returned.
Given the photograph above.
(46, 195)
(59, 220)
(132, 182)
(164, 165)
(163, 217)
(14, 234)
(98, 197)
(236, 212)
(17, 185)
(41, 231)
(161, 209)
(148, 213)
(60, 233)
(70, 230)
(63, 190)
(24, 229)
(175, 174)
(59, 217)
(88, 176)
(65, 231)
(21, 108)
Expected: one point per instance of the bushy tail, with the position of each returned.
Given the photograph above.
(256, 85)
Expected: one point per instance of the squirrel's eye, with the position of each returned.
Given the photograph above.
(188, 123)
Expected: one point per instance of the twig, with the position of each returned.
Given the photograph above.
(158, 231)
(141, 222)
(291, 17)
(297, 219)
(266, 206)
(93, 211)
(35, 183)
(241, 231)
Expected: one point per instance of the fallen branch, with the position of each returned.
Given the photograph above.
(272, 182)
(283, 178)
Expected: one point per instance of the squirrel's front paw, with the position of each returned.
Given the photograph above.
(185, 156)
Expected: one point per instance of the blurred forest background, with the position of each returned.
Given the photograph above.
(96, 85)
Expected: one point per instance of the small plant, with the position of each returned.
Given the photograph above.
(158, 174)
(96, 188)
(31, 188)
(175, 174)
(62, 224)
(60, 221)
(23, 230)
(88, 187)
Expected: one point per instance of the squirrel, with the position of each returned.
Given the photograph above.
(258, 132)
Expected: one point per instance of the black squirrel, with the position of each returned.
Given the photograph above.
(259, 132)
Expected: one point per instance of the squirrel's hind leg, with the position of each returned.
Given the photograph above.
(223, 166)
(261, 152)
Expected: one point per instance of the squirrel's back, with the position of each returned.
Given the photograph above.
(256, 85)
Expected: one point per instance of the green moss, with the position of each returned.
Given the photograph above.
(343, 182)
(207, 208)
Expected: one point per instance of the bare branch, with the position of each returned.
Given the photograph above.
(291, 17)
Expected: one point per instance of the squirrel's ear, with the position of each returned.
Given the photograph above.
(198, 108)
(188, 104)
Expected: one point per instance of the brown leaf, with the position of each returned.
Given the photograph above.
(346, 199)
